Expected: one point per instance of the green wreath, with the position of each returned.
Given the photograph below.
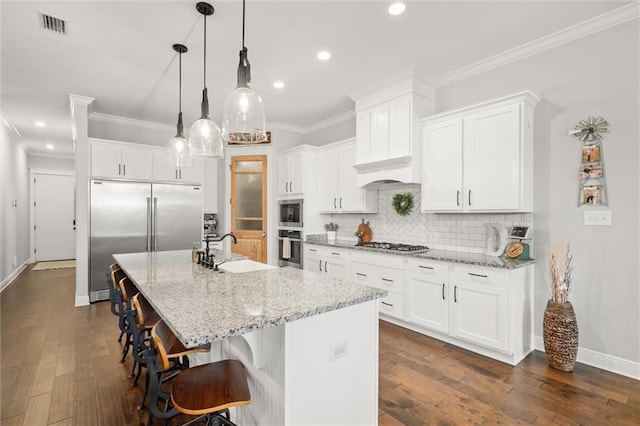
(402, 203)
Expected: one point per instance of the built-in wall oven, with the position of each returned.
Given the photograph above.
(290, 248)
(290, 213)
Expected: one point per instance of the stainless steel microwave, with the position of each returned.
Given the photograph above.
(290, 213)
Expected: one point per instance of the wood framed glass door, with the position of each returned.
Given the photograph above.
(249, 206)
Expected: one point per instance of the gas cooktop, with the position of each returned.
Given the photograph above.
(395, 247)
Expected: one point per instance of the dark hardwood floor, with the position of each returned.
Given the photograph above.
(60, 366)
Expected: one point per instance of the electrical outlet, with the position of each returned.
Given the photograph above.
(338, 349)
(597, 217)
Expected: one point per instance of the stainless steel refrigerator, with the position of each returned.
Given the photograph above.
(129, 217)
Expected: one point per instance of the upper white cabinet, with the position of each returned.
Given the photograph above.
(120, 160)
(480, 158)
(337, 189)
(295, 168)
(165, 170)
(388, 132)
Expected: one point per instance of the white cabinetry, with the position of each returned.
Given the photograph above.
(388, 131)
(331, 261)
(295, 168)
(480, 158)
(338, 192)
(480, 306)
(384, 272)
(427, 294)
(165, 170)
(120, 160)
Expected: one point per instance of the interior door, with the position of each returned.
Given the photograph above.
(55, 236)
(249, 206)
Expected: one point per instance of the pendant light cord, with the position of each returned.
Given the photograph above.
(180, 84)
(205, 51)
(243, 13)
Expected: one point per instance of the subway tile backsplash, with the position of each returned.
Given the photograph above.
(445, 231)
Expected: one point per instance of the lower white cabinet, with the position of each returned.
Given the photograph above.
(427, 294)
(333, 262)
(383, 272)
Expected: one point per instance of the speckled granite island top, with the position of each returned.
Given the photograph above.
(442, 255)
(202, 306)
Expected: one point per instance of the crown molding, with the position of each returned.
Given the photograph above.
(330, 122)
(586, 28)
(49, 155)
(131, 122)
(9, 125)
(275, 125)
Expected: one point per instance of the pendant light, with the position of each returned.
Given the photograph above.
(205, 139)
(244, 121)
(178, 146)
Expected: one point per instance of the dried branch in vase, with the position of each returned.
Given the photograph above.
(561, 275)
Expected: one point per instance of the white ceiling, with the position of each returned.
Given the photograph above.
(119, 52)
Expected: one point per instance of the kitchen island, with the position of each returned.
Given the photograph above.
(309, 343)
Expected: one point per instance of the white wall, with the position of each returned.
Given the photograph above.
(340, 131)
(49, 163)
(596, 75)
(144, 133)
(14, 206)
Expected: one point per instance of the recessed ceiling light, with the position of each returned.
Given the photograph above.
(278, 84)
(323, 55)
(50, 146)
(40, 123)
(397, 8)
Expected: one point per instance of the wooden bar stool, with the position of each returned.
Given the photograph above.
(127, 291)
(207, 391)
(115, 297)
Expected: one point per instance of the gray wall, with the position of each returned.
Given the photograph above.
(14, 221)
(596, 75)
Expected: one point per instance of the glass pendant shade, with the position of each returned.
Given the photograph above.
(244, 117)
(205, 139)
(178, 150)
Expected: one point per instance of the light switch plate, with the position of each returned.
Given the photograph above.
(597, 217)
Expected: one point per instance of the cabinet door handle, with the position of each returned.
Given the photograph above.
(335, 254)
(176, 174)
(361, 275)
(286, 187)
(387, 304)
(442, 291)
(455, 294)
(124, 170)
(325, 266)
(180, 174)
(313, 250)
(320, 265)
(119, 169)
(386, 280)
(426, 267)
(340, 202)
(334, 204)
(458, 198)
(469, 197)
(477, 275)
(290, 186)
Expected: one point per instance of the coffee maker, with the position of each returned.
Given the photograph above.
(210, 224)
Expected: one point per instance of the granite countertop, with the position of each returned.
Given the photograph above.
(477, 259)
(202, 306)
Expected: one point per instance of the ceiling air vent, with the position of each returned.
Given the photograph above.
(51, 23)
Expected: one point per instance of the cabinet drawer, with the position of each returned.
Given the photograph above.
(377, 276)
(480, 274)
(428, 267)
(392, 305)
(335, 253)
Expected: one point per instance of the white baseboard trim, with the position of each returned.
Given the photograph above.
(82, 300)
(12, 276)
(600, 360)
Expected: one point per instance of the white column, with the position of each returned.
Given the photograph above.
(80, 106)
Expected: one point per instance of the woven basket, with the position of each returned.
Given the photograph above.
(560, 334)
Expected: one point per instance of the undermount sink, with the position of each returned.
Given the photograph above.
(246, 265)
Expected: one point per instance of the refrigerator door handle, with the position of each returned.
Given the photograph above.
(148, 223)
(155, 223)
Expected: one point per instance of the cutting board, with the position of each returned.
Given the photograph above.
(367, 234)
